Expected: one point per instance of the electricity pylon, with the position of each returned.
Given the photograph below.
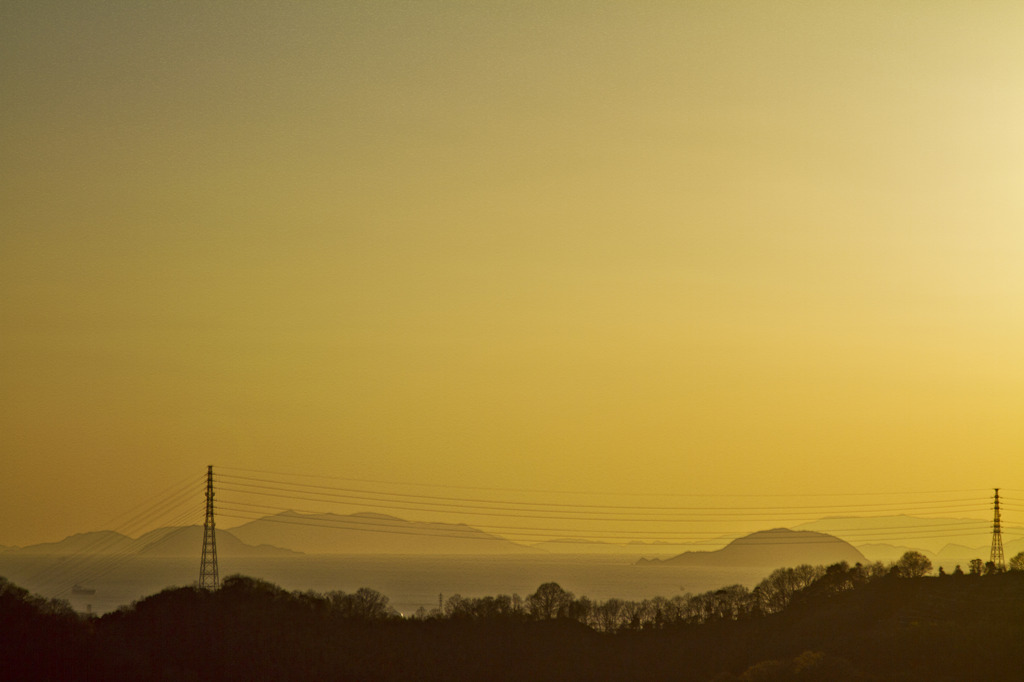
(996, 556)
(208, 572)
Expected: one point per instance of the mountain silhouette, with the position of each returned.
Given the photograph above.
(188, 540)
(771, 549)
(370, 533)
(167, 542)
(94, 542)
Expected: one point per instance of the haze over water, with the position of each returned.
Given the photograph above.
(409, 582)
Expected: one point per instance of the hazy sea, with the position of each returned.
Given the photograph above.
(408, 581)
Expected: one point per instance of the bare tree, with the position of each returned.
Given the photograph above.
(608, 615)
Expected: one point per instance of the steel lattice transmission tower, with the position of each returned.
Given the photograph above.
(996, 556)
(208, 572)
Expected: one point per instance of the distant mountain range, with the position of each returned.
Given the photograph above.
(289, 533)
(181, 541)
(369, 533)
(949, 556)
(921, 533)
(96, 542)
(188, 541)
(771, 549)
(931, 537)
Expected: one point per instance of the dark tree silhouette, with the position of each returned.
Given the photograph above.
(913, 565)
(40, 639)
(774, 592)
(860, 623)
(549, 601)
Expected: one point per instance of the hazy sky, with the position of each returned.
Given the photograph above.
(644, 247)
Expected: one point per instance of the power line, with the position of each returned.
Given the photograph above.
(536, 536)
(489, 512)
(604, 493)
(695, 517)
(297, 492)
(354, 522)
(89, 570)
(144, 515)
(464, 502)
(93, 559)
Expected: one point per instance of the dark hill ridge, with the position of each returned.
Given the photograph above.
(880, 629)
(772, 549)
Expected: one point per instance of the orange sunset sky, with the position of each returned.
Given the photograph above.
(645, 248)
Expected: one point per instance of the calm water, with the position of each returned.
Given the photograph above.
(409, 581)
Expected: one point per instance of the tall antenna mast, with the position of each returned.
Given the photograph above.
(997, 539)
(208, 572)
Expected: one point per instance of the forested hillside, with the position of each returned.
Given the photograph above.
(804, 623)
